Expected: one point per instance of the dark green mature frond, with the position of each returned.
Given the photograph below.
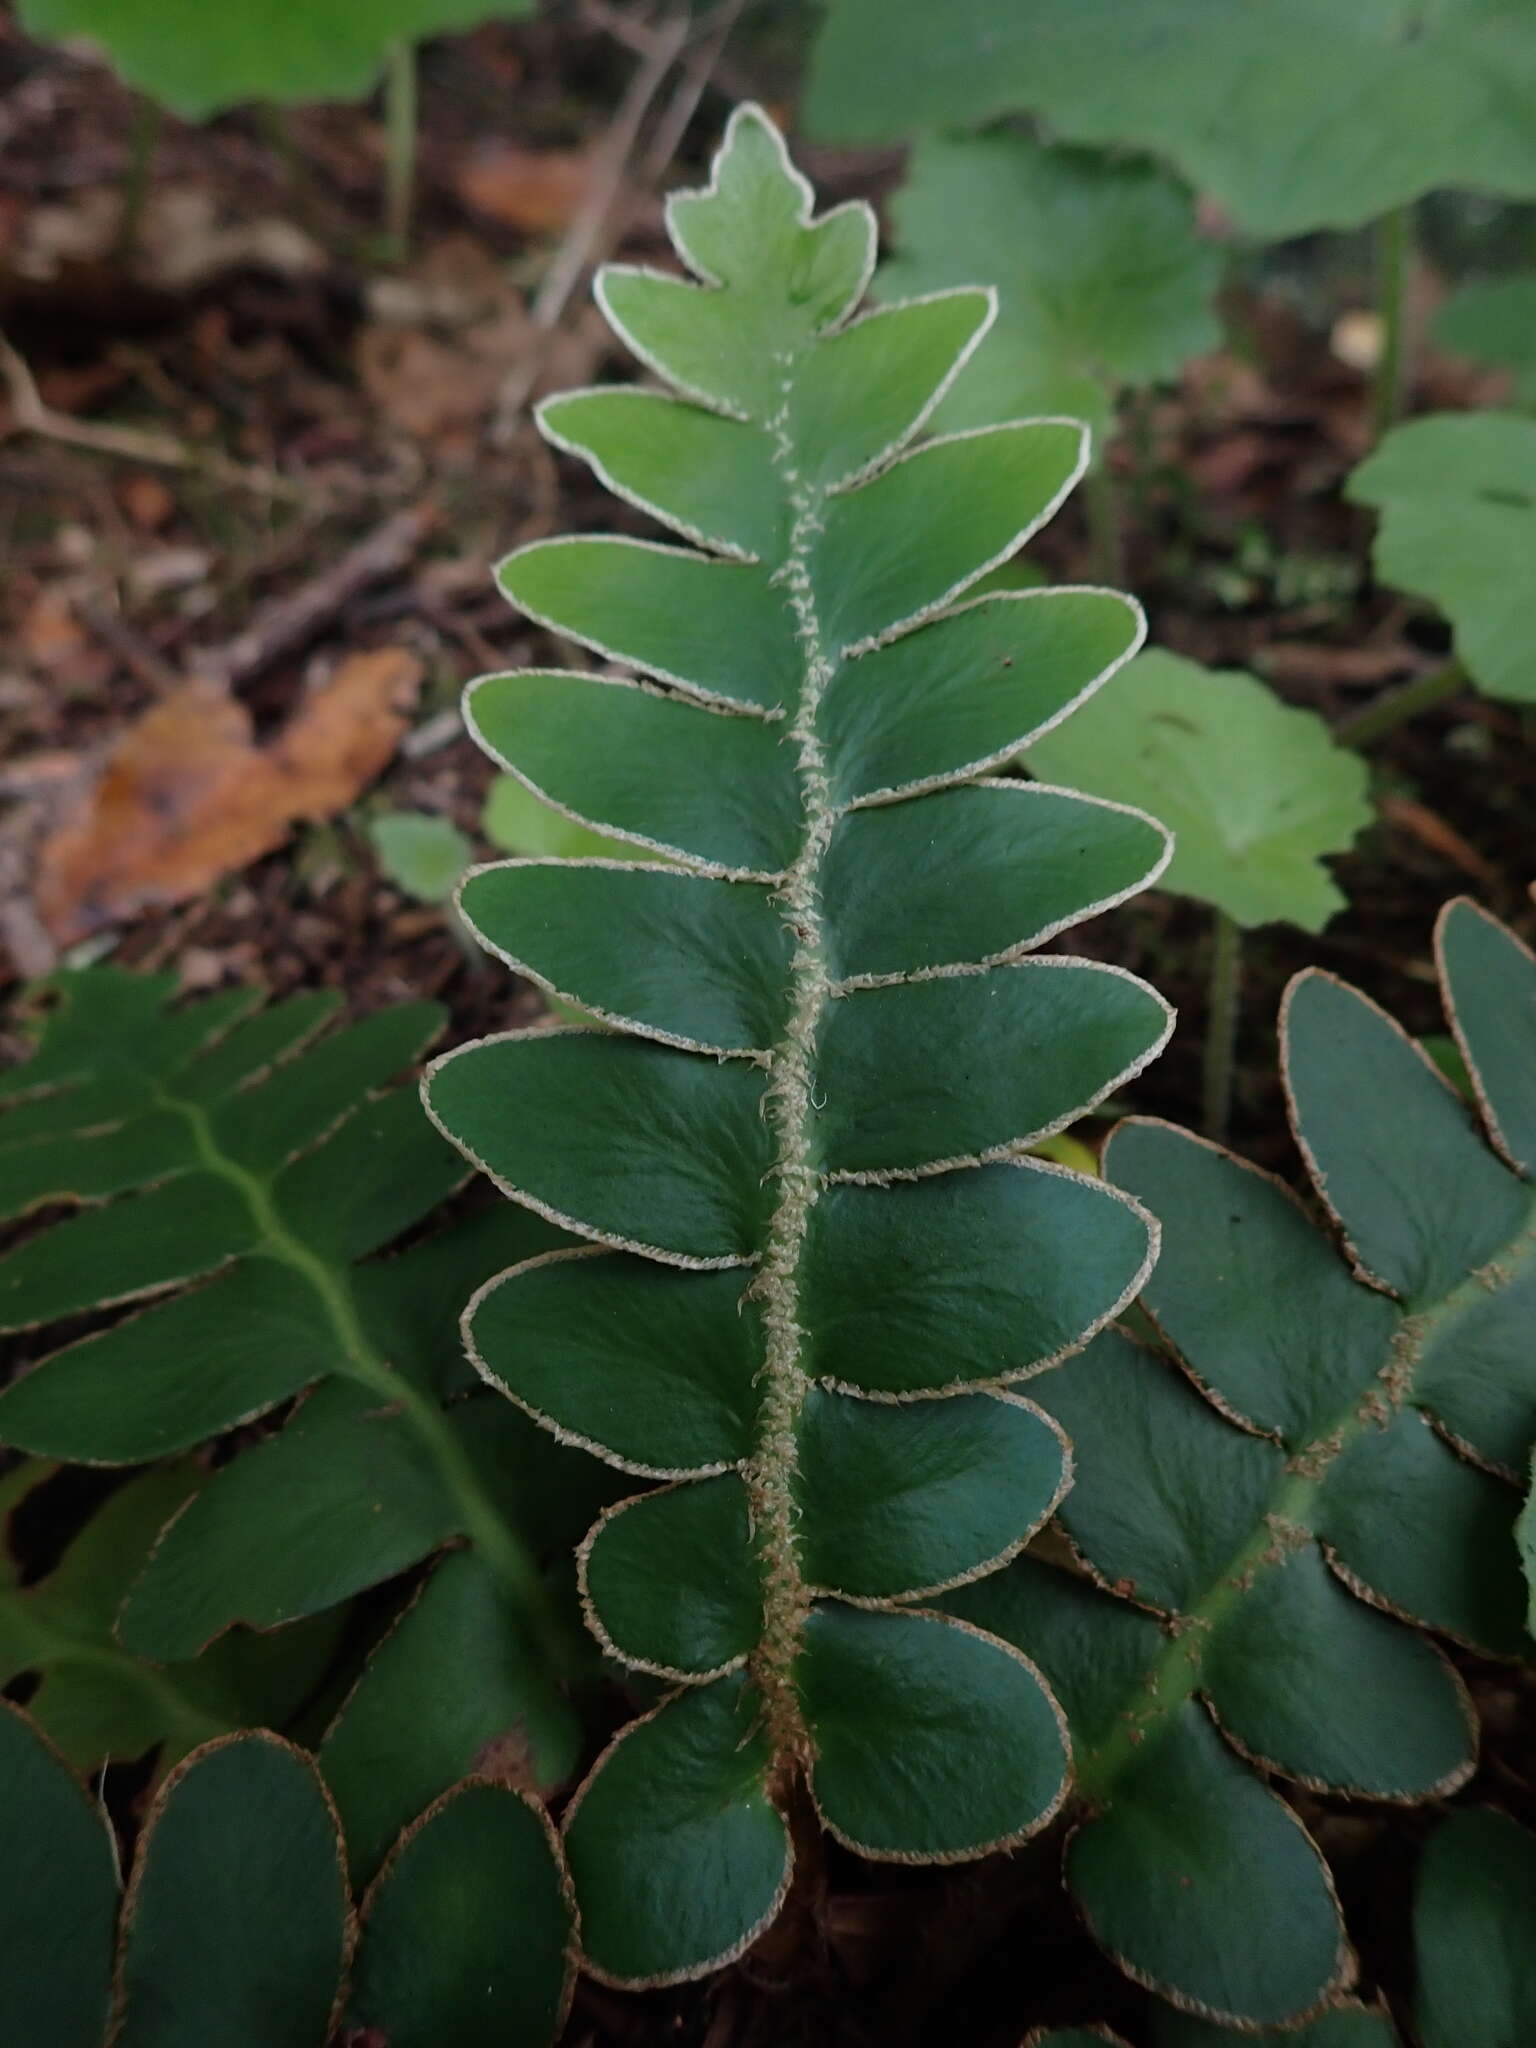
(234, 1175)
(1273, 1576)
(263, 1946)
(819, 1256)
(1474, 1928)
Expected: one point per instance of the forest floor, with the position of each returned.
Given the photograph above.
(315, 452)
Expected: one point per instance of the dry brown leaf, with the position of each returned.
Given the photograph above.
(1441, 837)
(424, 387)
(536, 190)
(187, 797)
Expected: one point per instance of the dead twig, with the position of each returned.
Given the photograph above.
(290, 622)
(131, 648)
(31, 415)
(684, 103)
(609, 204)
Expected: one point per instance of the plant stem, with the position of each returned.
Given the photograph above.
(1395, 707)
(497, 1543)
(1394, 237)
(137, 174)
(1102, 503)
(400, 145)
(1221, 1023)
(789, 1107)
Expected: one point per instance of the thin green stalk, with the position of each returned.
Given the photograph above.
(1395, 707)
(52, 1648)
(1221, 1023)
(400, 146)
(137, 173)
(1394, 241)
(1102, 503)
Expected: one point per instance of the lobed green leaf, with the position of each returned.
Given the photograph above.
(200, 63)
(1294, 117)
(1054, 226)
(1254, 791)
(1458, 515)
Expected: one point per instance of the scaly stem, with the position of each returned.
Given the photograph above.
(789, 1107)
(1221, 1017)
(501, 1549)
(1396, 707)
(1394, 234)
(400, 146)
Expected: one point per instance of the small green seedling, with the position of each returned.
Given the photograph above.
(818, 1260)
(421, 853)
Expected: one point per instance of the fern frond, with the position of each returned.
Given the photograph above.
(1277, 1577)
(234, 1175)
(237, 1923)
(818, 1255)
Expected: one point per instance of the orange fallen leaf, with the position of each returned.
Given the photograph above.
(536, 190)
(187, 797)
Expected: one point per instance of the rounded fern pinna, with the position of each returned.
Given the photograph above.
(819, 1254)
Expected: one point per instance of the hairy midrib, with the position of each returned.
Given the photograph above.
(1287, 1520)
(788, 1104)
